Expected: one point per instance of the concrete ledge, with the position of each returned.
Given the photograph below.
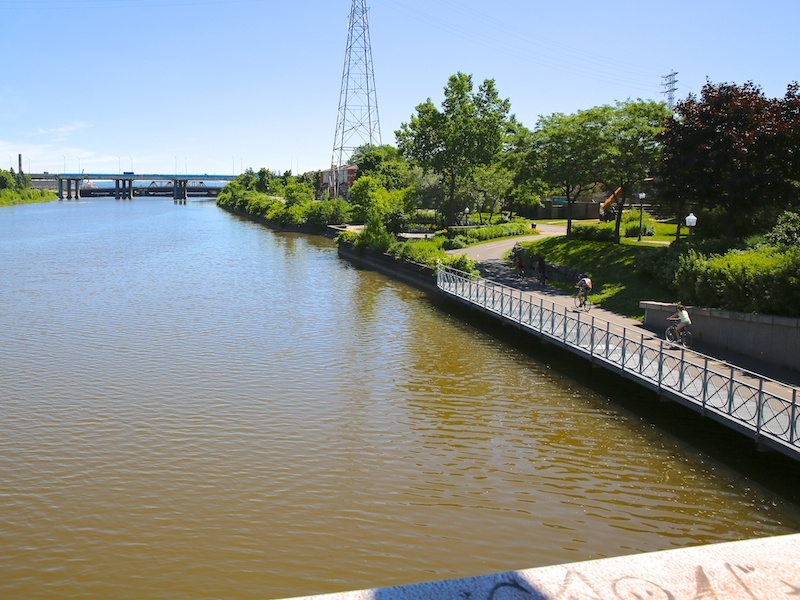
(768, 338)
(745, 570)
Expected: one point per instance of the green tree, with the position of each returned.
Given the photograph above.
(387, 166)
(628, 145)
(563, 152)
(734, 154)
(298, 194)
(263, 180)
(490, 189)
(469, 131)
(7, 180)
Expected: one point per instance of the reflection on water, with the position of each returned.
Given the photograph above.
(194, 406)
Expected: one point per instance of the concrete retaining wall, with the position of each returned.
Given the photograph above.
(774, 340)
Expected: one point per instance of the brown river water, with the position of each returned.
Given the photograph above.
(194, 406)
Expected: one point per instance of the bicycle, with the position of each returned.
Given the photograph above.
(671, 334)
(582, 301)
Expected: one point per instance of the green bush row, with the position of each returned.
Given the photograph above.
(9, 197)
(284, 212)
(764, 280)
(482, 234)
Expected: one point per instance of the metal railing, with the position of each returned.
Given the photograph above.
(750, 403)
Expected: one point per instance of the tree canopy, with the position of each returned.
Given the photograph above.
(734, 154)
(468, 132)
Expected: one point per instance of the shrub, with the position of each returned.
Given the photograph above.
(481, 234)
(786, 233)
(760, 281)
(591, 233)
(633, 230)
(461, 262)
(456, 243)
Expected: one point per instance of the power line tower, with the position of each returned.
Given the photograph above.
(670, 87)
(357, 119)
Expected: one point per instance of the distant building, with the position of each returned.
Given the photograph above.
(337, 182)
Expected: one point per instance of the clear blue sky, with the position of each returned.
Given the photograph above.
(217, 86)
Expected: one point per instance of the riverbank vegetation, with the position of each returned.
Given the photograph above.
(761, 275)
(730, 157)
(15, 188)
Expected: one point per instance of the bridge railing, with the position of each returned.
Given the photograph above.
(748, 402)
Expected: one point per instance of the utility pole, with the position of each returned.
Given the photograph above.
(357, 121)
(670, 87)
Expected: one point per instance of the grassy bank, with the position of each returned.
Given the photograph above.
(612, 267)
(25, 196)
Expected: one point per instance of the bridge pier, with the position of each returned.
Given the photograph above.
(125, 191)
(179, 191)
(70, 181)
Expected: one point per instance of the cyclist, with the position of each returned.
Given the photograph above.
(584, 285)
(682, 316)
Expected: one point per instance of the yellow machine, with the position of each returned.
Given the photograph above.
(605, 207)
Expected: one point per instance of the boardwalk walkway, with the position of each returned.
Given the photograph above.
(763, 408)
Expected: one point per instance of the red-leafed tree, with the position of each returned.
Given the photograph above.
(732, 154)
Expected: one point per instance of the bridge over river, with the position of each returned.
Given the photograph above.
(754, 405)
(125, 186)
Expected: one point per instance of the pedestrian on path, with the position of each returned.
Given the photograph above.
(542, 270)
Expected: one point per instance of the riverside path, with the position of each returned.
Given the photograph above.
(761, 407)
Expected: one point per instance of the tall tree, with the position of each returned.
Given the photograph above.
(562, 154)
(467, 132)
(629, 148)
(734, 154)
(387, 166)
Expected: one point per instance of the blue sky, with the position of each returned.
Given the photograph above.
(217, 86)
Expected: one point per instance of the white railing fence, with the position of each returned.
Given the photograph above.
(748, 402)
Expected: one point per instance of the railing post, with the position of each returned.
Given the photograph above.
(793, 422)
(682, 369)
(660, 363)
(641, 354)
(608, 337)
(760, 407)
(624, 347)
(591, 341)
(705, 383)
(564, 334)
(730, 394)
(530, 312)
(541, 315)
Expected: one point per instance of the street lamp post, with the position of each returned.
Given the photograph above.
(642, 196)
(691, 221)
(466, 216)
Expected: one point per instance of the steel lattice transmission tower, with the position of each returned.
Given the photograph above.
(357, 121)
(669, 88)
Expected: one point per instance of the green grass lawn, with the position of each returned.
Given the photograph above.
(665, 230)
(616, 285)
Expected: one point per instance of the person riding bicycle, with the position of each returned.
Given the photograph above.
(682, 316)
(584, 285)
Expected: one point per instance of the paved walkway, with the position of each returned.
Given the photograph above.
(492, 266)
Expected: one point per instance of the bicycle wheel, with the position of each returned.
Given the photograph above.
(670, 334)
(587, 304)
(578, 302)
(686, 338)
